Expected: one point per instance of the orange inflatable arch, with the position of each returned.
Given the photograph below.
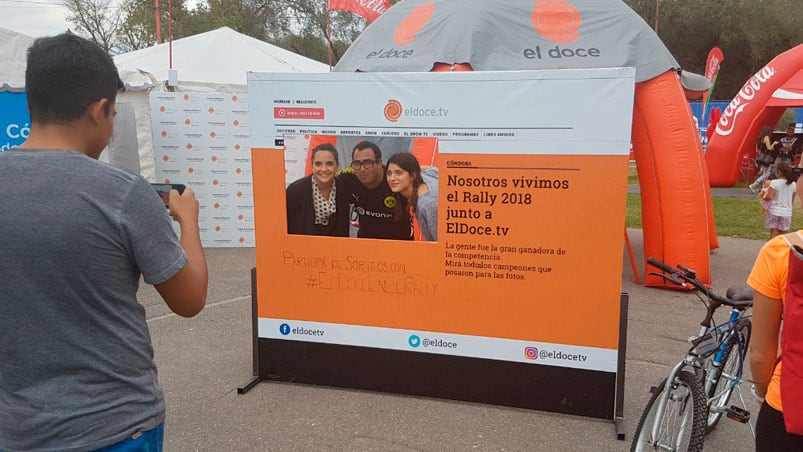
(761, 101)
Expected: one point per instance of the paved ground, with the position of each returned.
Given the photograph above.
(203, 360)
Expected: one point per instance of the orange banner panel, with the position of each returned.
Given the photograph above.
(529, 248)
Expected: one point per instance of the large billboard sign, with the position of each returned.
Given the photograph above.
(523, 282)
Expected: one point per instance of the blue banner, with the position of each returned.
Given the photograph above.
(704, 122)
(15, 122)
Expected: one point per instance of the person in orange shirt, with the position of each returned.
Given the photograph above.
(777, 268)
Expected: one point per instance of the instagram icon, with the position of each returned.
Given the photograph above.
(530, 352)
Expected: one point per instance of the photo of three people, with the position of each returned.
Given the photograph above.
(381, 194)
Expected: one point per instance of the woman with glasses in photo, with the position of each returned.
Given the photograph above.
(316, 205)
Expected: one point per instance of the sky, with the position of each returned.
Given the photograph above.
(34, 17)
(40, 17)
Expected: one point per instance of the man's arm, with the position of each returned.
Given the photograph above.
(185, 292)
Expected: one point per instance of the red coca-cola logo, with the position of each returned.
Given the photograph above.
(727, 123)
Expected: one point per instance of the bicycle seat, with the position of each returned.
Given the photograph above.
(740, 296)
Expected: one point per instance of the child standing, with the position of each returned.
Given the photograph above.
(781, 194)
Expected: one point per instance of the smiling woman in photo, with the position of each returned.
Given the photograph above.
(315, 204)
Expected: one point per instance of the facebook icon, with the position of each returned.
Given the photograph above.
(284, 329)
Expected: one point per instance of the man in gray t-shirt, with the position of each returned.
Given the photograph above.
(76, 361)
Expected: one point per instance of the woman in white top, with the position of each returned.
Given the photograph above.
(779, 213)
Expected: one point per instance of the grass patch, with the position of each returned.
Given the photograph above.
(632, 174)
(633, 213)
(734, 217)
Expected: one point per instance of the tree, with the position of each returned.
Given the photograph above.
(310, 28)
(98, 19)
(749, 32)
(137, 29)
(245, 16)
(260, 19)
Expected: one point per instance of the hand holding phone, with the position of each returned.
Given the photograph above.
(164, 191)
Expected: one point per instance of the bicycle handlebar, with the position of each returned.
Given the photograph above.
(658, 264)
(688, 271)
(687, 275)
(671, 278)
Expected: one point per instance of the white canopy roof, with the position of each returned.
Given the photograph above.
(13, 59)
(221, 56)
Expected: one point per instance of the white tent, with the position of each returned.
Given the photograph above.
(13, 55)
(217, 60)
(218, 57)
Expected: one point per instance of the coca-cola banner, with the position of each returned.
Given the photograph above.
(712, 64)
(745, 97)
(715, 59)
(370, 9)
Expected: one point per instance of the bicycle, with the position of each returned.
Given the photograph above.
(689, 403)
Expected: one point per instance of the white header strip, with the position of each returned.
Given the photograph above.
(527, 108)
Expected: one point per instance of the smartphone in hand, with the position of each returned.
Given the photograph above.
(164, 191)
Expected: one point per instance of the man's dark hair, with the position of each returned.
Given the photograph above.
(65, 75)
(362, 145)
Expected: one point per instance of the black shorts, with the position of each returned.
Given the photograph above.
(771, 435)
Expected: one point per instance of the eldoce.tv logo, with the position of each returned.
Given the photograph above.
(393, 111)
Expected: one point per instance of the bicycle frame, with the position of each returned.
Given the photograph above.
(716, 363)
(698, 362)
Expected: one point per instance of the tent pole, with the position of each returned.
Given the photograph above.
(170, 38)
(657, 9)
(158, 21)
(170, 29)
(329, 34)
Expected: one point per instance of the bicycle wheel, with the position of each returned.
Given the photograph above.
(682, 423)
(722, 388)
